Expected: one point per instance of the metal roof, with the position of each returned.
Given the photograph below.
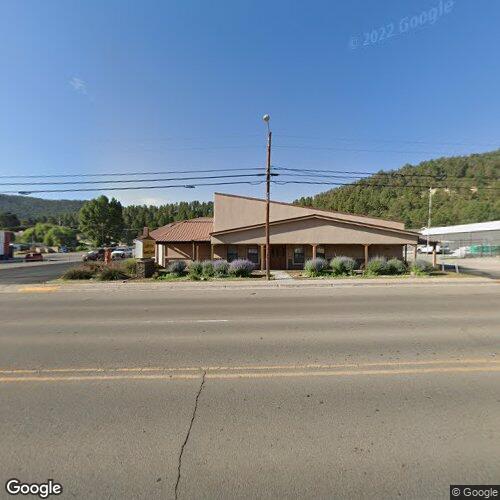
(186, 230)
(463, 228)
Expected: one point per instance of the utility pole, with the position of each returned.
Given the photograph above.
(266, 118)
(431, 192)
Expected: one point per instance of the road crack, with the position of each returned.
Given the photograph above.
(193, 416)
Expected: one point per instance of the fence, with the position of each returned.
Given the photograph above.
(463, 248)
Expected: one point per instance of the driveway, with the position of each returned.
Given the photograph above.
(480, 266)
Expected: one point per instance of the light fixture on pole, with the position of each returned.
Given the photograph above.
(266, 119)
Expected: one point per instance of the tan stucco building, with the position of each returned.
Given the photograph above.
(237, 230)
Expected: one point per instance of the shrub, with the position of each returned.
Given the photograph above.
(315, 267)
(241, 268)
(78, 273)
(93, 267)
(421, 267)
(111, 274)
(342, 266)
(221, 268)
(376, 267)
(130, 266)
(166, 277)
(177, 267)
(195, 269)
(396, 266)
(208, 268)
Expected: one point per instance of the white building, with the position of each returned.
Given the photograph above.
(482, 238)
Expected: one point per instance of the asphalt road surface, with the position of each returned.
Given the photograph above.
(350, 392)
(33, 272)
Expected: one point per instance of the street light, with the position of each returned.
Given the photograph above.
(266, 119)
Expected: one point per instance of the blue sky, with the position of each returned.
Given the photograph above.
(117, 86)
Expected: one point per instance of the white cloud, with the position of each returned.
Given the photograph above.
(79, 85)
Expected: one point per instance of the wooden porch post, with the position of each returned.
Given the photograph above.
(197, 252)
(212, 252)
(415, 250)
(193, 254)
(366, 255)
(434, 257)
(406, 254)
(262, 257)
(315, 246)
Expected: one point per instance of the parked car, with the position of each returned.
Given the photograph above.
(428, 249)
(121, 253)
(461, 252)
(33, 257)
(97, 254)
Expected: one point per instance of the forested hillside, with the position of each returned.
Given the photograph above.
(32, 209)
(136, 217)
(463, 192)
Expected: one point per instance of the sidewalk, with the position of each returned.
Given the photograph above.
(258, 284)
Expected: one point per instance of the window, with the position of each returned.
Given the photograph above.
(253, 254)
(320, 252)
(232, 253)
(298, 255)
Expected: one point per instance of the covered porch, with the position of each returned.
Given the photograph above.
(289, 256)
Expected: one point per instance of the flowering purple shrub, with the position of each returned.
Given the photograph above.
(177, 267)
(241, 267)
(421, 267)
(342, 265)
(315, 267)
(221, 268)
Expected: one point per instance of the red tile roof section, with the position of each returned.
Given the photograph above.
(185, 230)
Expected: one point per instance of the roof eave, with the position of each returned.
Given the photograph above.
(316, 216)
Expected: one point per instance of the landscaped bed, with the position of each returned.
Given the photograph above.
(115, 271)
(220, 270)
(346, 267)
(209, 270)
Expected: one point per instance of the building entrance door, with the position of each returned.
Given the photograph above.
(278, 257)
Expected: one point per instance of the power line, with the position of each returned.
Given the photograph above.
(365, 173)
(369, 181)
(365, 186)
(117, 174)
(78, 183)
(127, 188)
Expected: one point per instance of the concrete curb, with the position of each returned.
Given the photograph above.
(133, 286)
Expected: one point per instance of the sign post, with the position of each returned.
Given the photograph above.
(144, 254)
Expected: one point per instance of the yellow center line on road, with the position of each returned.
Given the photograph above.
(38, 289)
(253, 375)
(313, 366)
(248, 372)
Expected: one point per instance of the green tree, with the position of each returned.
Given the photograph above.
(58, 236)
(8, 220)
(35, 234)
(101, 220)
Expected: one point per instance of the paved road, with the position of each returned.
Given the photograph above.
(376, 392)
(32, 272)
